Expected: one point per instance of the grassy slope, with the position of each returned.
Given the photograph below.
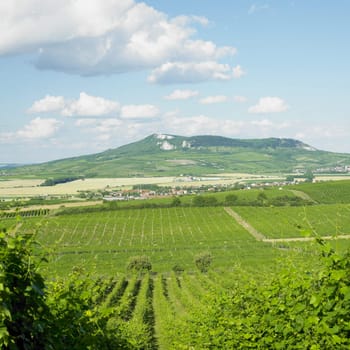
(208, 154)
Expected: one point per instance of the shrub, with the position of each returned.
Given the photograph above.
(140, 263)
(178, 269)
(203, 261)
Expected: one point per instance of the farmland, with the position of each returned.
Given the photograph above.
(287, 222)
(169, 236)
(175, 305)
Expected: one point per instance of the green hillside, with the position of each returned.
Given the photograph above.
(161, 155)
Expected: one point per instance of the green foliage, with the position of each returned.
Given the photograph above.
(204, 201)
(262, 198)
(139, 264)
(231, 199)
(78, 322)
(24, 315)
(60, 180)
(298, 309)
(60, 315)
(176, 202)
(178, 269)
(203, 261)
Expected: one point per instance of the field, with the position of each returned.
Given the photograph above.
(175, 305)
(285, 222)
(30, 187)
(327, 192)
(170, 236)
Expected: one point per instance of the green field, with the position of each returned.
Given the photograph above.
(284, 222)
(169, 236)
(327, 192)
(252, 285)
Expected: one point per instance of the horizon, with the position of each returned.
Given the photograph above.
(95, 76)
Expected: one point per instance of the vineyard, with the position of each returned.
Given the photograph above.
(327, 192)
(170, 236)
(252, 290)
(285, 222)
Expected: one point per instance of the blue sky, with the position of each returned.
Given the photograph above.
(82, 76)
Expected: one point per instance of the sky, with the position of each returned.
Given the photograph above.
(83, 76)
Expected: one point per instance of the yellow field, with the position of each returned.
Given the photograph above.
(31, 188)
(332, 177)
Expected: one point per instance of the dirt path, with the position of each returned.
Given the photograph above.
(260, 237)
(303, 239)
(256, 234)
(56, 206)
(303, 195)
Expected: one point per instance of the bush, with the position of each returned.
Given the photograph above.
(231, 199)
(204, 201)
(59, 315)
(203, 261)
(178, 269)
(140, 263)
(24, 316)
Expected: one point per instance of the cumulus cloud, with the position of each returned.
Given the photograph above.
(85, 106)
(201, 124)
(139, 111)
(88, 105)
(191, 72)
(90, 37)
(47, 104)
(269, 105)
(182, 94)
(38, 128)
(238, 72)
(213, 99)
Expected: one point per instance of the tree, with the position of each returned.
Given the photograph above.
(176, 202)
(203, 261)
(231, 199)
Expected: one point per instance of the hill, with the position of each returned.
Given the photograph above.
(161, 155)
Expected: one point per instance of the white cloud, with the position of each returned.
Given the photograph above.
(47, 104)
(201, 124)
(90, 37)
(240, 99)
(238, 72)
(213, 99)
(269, 105)
(139, 111)
(88, 105)
(181, 94)
(109, 125)
(85, 122)
(256, 8)
(191, 72)
(270, 125)
(38, 128)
